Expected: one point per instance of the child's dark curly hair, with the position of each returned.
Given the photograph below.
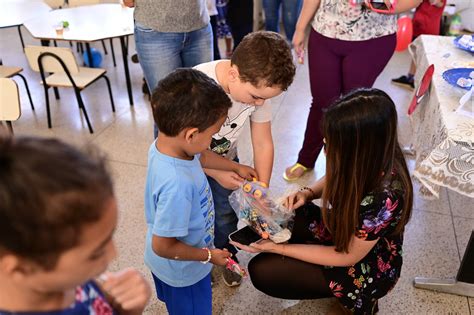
(188, 98)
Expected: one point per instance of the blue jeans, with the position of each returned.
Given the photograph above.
(161, 53)
(291, 11)
(225, 217)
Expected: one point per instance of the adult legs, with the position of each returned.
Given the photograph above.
(217, 55)
(158, 53)
(272, 14)
(325, 76)
(197, 47)
(291, 11)
(240, 19)
(366, 60)
(288, 278)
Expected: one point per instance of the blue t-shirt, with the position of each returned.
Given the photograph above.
(179, 204)
(89, 301)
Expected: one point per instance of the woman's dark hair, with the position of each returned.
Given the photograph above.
(188, 98)
(48, 191)
(362, 151)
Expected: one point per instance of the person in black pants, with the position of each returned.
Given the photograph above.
(240, 19)
(351, 247)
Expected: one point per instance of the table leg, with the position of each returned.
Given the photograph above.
(464, 282)
(125, 67)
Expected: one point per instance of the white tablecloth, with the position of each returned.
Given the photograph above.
(443, 139)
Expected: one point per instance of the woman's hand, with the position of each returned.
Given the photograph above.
(296, 200)
(261, 246)
(298, 44)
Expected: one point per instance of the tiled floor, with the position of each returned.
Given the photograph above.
(435, 238)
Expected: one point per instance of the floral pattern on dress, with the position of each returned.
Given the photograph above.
(89, 300)
(358, 287)
(338, 19)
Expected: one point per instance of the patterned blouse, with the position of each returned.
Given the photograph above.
(358, 287)
(89, 301)
(340, 20)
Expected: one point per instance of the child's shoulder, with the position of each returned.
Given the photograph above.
(89, 299)
(213, 68)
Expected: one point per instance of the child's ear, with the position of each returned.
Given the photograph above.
(16, 267)
(233, 73)
(190, 134)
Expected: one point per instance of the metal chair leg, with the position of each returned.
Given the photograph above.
(113, 52)
(48, 112)
(110, 92)
(81, 105)
(56, 93)
(27, 90)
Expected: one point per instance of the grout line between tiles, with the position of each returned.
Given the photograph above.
(128, 163)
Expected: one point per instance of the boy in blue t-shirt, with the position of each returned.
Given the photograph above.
(188, 108)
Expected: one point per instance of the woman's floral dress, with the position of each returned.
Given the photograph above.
(89, 301)
(358, 287)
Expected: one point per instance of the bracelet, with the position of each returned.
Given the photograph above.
(313, 194)
(209, 256)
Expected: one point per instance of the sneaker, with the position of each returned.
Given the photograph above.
(405, 82)
(231, 279)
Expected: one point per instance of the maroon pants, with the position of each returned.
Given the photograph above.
(335, 68)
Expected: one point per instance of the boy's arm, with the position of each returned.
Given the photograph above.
(171, 248)
(212, 160)
(262, 144)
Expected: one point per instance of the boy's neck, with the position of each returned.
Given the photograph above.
(171, 146)
(222, 70)
(22, 299)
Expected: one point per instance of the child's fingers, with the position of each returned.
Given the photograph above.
(136, 296)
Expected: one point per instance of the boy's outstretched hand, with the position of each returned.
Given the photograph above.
(246, 172)
(219, 256)
(128, 290)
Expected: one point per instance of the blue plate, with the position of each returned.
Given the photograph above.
(452, 76)
(469, 48)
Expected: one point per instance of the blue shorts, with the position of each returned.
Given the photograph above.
(194, 299)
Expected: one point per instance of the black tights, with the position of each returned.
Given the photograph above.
(288, 278)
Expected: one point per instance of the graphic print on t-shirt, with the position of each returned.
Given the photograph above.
(230, 130)
(207, 207)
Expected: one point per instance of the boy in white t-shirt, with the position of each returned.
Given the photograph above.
(261, 68)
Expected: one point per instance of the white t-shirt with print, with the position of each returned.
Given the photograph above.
(225, 141)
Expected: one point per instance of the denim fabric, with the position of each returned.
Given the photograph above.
(225, 217)
(291, 11)
(160, 53)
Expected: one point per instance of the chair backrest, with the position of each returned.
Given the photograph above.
(9, 100)
(51, 64)
(55, 4)
(77, 3)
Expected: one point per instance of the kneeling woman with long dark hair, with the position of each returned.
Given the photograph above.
(351, 248)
